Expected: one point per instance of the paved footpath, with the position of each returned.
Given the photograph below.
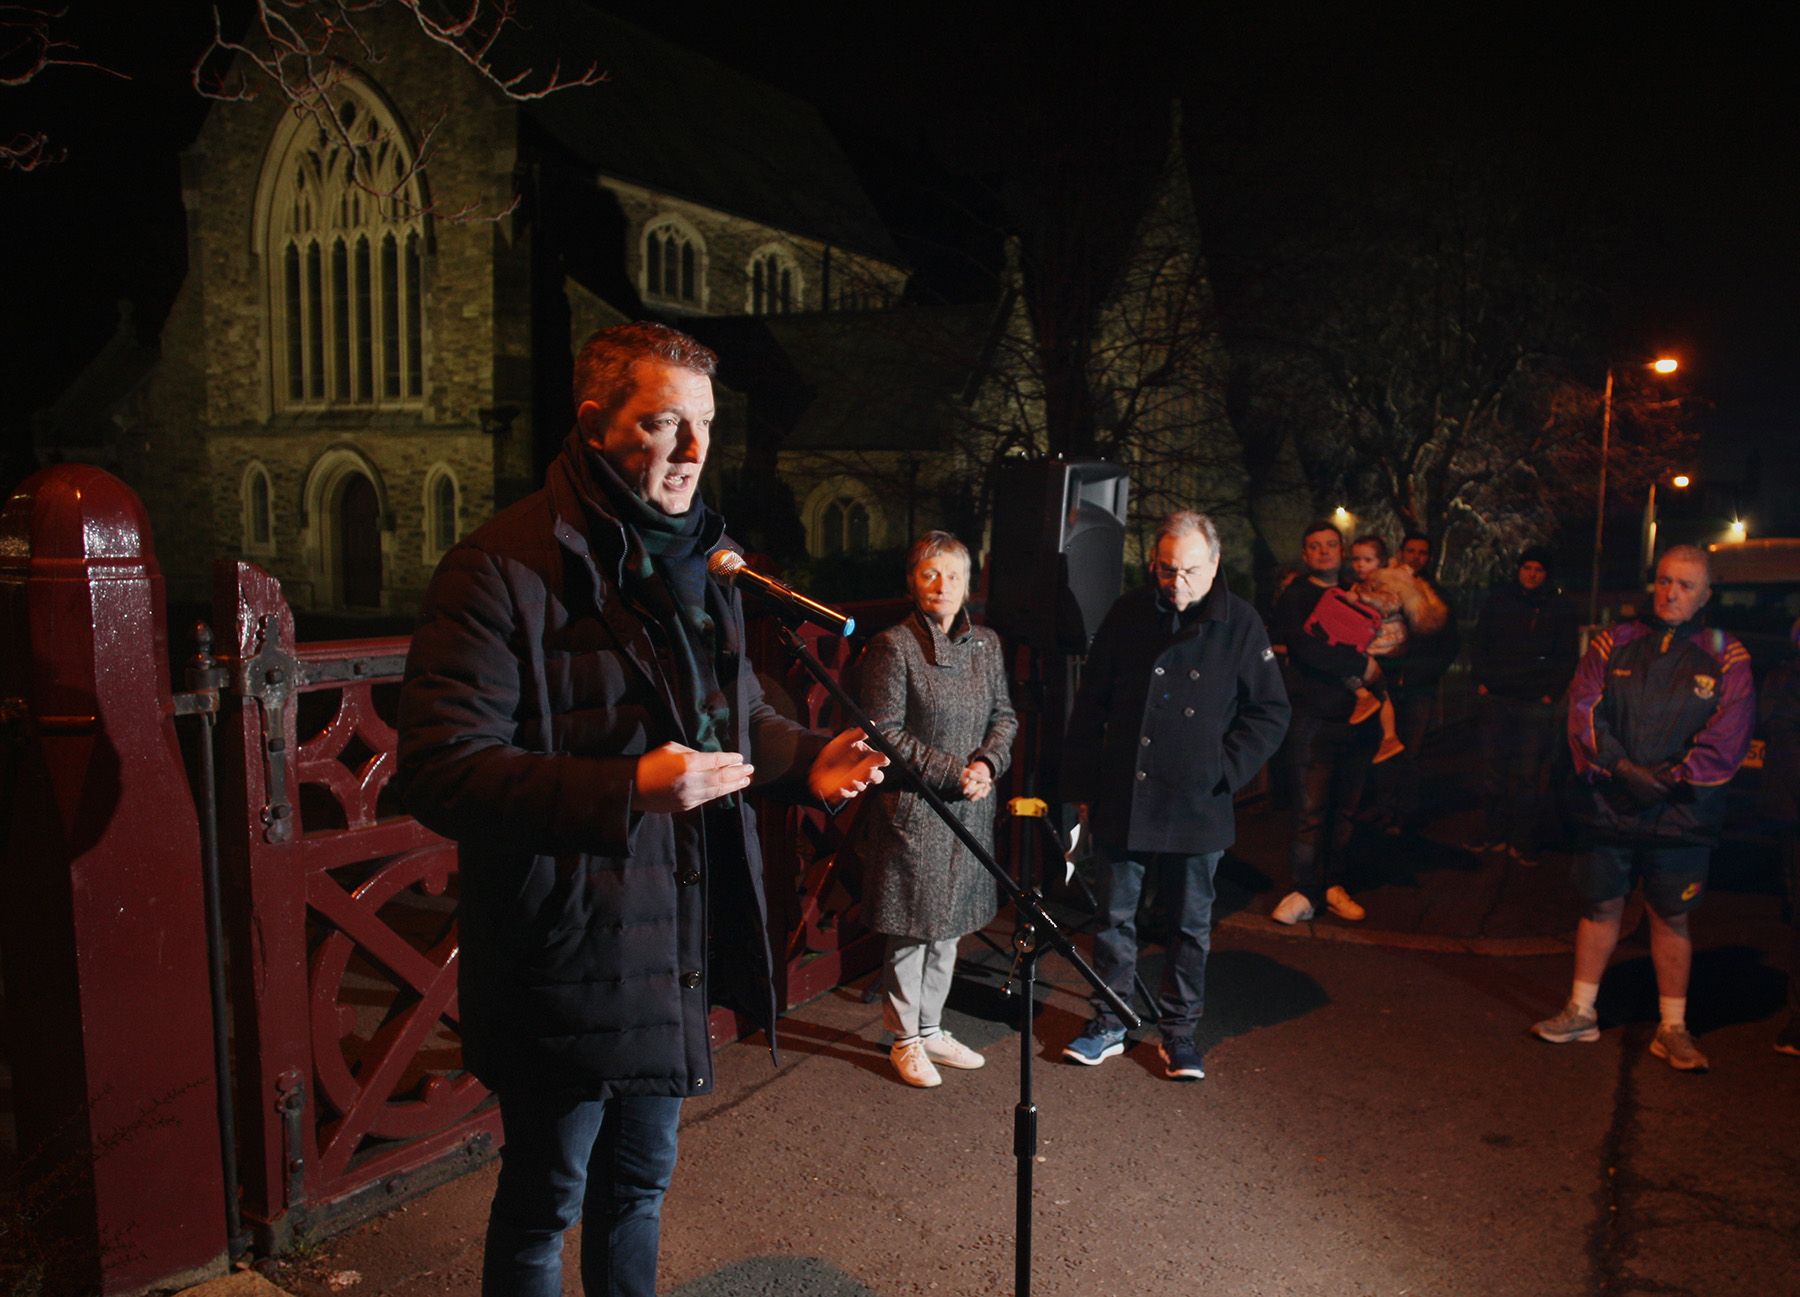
(1375, 1120)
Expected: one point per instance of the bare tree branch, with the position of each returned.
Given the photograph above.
(27, 50)
(301, 50)
(27, 46)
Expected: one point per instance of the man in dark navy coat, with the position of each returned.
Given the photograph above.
(1181, 703)
(579, 716)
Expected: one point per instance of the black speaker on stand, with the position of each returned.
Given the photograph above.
(1058, 552)
(1055, 565)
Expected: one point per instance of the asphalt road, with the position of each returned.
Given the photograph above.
(1375, 1120)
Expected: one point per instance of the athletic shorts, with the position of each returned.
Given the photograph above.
(1674, 876)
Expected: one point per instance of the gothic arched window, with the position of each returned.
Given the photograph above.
(844, 527)
(842, 516)
(674, 262)
(442, 526)
(259, 510)
(775, 287)
(342, 228)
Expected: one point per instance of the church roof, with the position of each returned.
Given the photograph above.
(858, 381)
(82, 417)
(676, 121)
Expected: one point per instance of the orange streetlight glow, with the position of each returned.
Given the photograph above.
(1680, 480)
(1666, 365)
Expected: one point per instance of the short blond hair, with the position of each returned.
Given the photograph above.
(933, 543)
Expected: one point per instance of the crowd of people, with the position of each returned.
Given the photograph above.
(579, 715)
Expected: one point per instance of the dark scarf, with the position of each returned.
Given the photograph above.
(665, 577)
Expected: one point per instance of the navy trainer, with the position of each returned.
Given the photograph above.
(1181, 1061)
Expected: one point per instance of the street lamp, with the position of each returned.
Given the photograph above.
(1681, 482)
(1661, 365)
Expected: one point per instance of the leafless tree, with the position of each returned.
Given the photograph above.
(300, 50)
(1433, 344)
(28, 49)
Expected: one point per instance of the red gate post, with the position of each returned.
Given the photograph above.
(101, 912)
(265, 897)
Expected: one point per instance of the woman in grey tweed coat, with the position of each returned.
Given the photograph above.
(936, 687)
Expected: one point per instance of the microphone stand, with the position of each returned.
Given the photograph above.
(1035, 930)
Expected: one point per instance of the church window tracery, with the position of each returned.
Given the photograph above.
(342, 225)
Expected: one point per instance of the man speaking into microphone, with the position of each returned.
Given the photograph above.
(578, 716)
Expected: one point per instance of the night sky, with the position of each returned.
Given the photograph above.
(1670, 145)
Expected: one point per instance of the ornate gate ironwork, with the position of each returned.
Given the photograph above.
(341, 912)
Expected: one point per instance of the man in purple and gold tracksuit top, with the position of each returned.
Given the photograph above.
(1660, 715)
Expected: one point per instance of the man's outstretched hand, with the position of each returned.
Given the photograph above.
(677, 778)
(845, 768)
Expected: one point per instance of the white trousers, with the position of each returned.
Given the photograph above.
(916, 979)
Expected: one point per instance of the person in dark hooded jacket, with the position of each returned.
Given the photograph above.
(1521, 657)
(579, 716)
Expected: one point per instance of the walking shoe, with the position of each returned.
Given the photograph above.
(914, 1065)
(1522, 858)
(1389, 749)
(1293, 908)
(947, 1051)
(1342, 904)
(1571, 1024)
(1181, 1060)
(1095, 1045)
(1788, 1041)
(1367, 704)
(1676, 1047)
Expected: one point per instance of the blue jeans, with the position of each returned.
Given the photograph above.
(1184, 887)
(566, 1158)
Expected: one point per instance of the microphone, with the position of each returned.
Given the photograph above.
(728, 565)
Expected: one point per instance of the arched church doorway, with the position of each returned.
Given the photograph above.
(359, 543)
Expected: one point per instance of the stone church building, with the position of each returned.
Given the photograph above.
(369, 355)
(372, 348)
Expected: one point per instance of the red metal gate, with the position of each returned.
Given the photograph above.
(340, 907)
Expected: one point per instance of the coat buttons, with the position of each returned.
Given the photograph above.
(1159, 671)
(699, 1082)
(1144, 742)
(690, 980)
(1143, 774)
(1193, 673)
(688, 877)
(1187, 711)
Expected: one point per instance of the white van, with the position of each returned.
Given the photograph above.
(1756, 595)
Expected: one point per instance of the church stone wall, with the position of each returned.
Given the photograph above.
(208, 409)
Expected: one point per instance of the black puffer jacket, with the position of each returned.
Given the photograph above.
(531, 689)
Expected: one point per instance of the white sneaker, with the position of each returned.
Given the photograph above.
(914, 1065)
(1293, 908)
(1342, 904)
(947, 1050)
